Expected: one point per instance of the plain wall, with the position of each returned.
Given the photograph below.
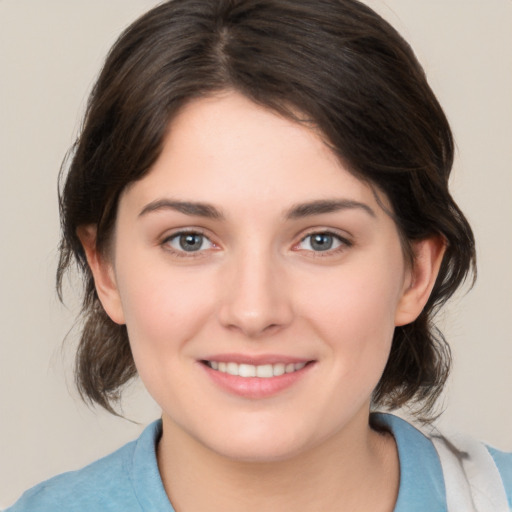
(50, 53)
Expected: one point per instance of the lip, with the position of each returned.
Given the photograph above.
(255, 387)
(257, 359)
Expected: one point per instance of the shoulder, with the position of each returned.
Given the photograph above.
(448, 466)
(422, 486)
(81, 489)
(105, 485)
(503, 461)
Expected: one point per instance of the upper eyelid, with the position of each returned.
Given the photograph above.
(343, 236)
(186, 231)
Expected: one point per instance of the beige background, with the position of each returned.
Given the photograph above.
(51, 51)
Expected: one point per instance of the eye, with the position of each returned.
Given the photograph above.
(188, 242)
(322, 242)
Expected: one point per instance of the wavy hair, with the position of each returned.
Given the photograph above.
(338, 64)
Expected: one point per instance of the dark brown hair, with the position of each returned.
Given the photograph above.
(339, 65)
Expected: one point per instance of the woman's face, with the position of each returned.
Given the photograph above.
(259, 280)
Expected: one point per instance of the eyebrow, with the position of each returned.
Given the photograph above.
(187, 207)
(297, 211)
(322, 206)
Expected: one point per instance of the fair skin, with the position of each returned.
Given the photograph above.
(249, 243)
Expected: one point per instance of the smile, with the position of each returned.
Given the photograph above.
(256, 377)
(264, 371)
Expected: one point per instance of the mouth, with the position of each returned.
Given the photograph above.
(263, 371)
(256, 378)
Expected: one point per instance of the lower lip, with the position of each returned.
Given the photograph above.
(256, 387)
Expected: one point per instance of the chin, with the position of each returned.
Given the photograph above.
(259, 451)
(260, 443)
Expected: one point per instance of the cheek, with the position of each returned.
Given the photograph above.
(360, 299)
(163, 314)
(163, 307)
(355, 314)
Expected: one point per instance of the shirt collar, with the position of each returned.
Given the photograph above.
(421, 476)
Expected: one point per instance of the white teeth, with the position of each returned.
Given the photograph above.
(264, 371)
(232, 368)
(278, 369)
(246, 370)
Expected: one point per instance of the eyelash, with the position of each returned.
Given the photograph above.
(182, 253)
(344, 243)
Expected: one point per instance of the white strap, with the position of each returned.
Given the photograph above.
(472, 480)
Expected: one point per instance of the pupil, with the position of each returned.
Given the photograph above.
(321, 242)
(191, 242)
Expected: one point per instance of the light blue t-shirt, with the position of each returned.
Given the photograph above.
(128, 480)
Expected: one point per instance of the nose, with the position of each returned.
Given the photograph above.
(256, 299)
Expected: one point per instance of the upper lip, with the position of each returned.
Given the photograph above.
(256, 360)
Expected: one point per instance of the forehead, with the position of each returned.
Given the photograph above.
(227, 150)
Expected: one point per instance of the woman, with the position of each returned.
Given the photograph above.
(258, 201)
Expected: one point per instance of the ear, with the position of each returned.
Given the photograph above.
(103, 274)
(428, 255)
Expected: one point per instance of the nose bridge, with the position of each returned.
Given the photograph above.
(255, 299)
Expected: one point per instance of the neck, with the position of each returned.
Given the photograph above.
(356, 469)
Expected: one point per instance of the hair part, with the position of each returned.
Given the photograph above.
(334, 64)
